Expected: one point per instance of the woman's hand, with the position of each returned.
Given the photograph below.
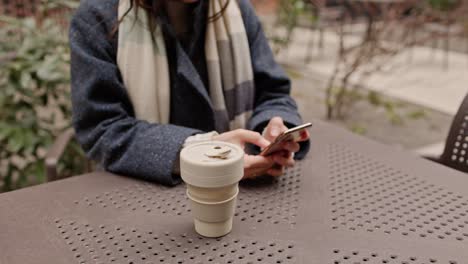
(253, 165)
(285, 157)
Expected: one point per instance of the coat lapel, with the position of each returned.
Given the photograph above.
(184, 67)
(187, 71)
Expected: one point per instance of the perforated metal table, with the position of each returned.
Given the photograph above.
(352, 201)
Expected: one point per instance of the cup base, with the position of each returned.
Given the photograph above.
(217, 229)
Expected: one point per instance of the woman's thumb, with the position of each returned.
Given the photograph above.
(254, 138)
(276, 124)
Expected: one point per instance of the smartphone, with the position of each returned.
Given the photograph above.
(292, 134)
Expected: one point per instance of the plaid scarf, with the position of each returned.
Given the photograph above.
(143, 63)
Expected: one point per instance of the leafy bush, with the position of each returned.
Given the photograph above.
(34, 99)
(288, 17)
(443, 5)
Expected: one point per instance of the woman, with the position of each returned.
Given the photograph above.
(149, 76)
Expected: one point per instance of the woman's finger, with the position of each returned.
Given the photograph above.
(275, 127)
(305, 135)
(260, 162)
(252, 173)
(252, 137)
(242, 136)
(291, 146)
(276, 172)
(284, 160)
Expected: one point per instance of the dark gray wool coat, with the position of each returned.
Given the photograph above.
(103, 116)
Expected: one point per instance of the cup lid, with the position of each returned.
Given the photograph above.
(212, 164)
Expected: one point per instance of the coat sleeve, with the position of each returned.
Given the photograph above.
(272, 85)
(103, 115)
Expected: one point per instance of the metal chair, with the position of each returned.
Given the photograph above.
(55, 153)
(455, 154)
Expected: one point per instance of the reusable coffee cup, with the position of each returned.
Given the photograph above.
(212, 171)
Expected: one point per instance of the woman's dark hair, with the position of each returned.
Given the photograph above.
(154, 8)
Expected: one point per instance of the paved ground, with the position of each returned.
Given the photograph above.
(422, 81)
(412, 133)
(427, 94)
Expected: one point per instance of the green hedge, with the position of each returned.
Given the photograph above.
(34, 100)
(443, 5)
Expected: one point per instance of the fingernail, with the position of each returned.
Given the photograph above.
(265, 143)
(274, 158)
(274, 132)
